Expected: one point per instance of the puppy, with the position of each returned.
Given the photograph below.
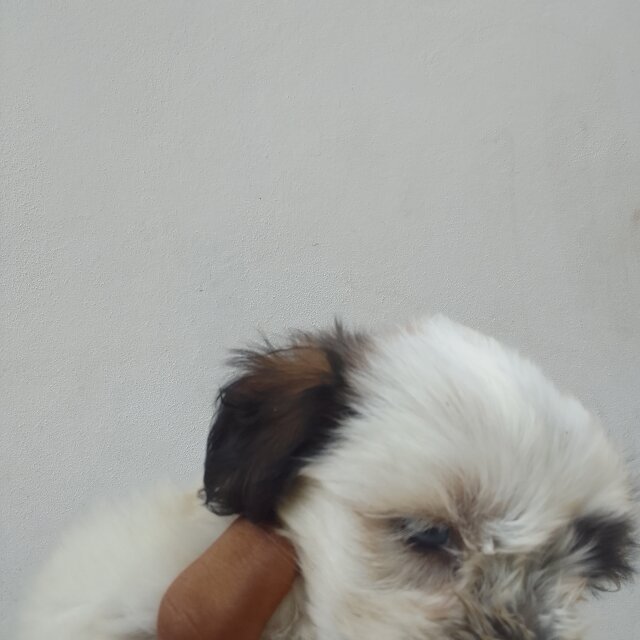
(435, 484)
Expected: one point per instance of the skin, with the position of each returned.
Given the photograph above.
(232, 589)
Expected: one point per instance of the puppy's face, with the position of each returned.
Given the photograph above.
(437, 486)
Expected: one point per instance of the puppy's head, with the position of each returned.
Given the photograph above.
(436, 485)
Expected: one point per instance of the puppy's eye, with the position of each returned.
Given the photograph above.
(428, 539)
(431, 538)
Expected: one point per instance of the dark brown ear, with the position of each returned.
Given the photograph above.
(281, 410)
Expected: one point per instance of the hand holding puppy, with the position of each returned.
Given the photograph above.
(232, 589)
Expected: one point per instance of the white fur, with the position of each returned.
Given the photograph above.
(451, 426)
(106, 579)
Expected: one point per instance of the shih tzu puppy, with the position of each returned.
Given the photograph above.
(435, 485)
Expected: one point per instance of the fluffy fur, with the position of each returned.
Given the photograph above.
(360, 448)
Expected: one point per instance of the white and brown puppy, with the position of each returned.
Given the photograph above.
(435, 484)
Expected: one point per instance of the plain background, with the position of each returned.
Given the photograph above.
(180, 175)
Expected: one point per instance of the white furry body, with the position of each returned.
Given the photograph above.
(106, 579)
(449, 427)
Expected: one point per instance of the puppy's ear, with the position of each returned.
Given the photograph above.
(281, 410)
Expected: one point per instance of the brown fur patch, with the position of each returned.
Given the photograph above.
(290, 370)
(280, 410)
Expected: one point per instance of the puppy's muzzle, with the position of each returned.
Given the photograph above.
(502, 600)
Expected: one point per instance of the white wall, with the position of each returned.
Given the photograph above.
(179, 174)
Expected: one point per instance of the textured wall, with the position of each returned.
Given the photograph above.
(179, 174)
